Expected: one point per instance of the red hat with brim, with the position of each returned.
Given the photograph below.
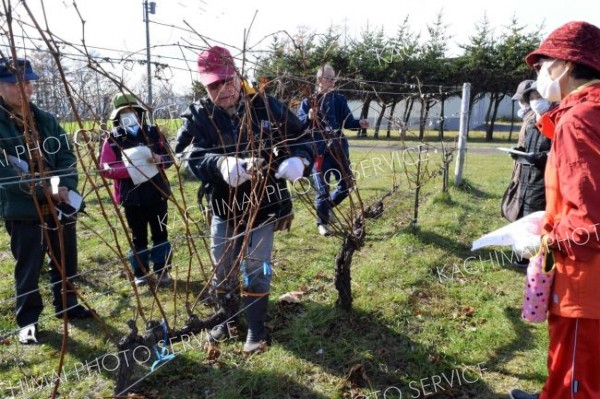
(578, 42)
(215, 64)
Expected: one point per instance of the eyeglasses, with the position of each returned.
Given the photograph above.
(215, 86)
(538, 65)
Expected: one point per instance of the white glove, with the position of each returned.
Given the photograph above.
(310, 114)
(233, 171)
(291, 169)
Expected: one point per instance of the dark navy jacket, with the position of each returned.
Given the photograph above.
(260, 127)
(333, 115)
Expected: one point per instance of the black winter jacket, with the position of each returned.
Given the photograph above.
(531, 179)
(127, 193)
(261, 127)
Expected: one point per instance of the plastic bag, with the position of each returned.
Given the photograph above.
(523, 235)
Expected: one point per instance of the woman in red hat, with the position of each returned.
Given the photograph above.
(568, 66)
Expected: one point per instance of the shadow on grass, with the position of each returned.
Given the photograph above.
(369, 355)
(366, 356)
(470, 188)
(187, 378)
(24, 361)
(453, 246)
(523, 342)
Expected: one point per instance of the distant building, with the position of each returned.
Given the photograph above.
(451, 113)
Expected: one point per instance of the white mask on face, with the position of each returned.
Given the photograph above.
(129, 122)
(546, 86)
(539, 106)
(522, 110)
(128, 119)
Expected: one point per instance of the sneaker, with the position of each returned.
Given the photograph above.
(140, 281)
(28, 335)
(324, 230)
(77, 312)
(518, 394)
(163, 278)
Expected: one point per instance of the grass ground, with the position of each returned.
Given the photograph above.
(427, 320)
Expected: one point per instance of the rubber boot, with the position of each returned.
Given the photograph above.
(160, 255)
(228, 305)
(256, 313)
(144, 257)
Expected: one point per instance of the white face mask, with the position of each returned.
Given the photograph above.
(539, 106)
(128, 119)
(129, 122)
(522, 111)
(546, 86)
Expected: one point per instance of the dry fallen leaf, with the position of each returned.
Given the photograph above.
(292, 297)
(212, 352)
(357, 372)
(468, 311)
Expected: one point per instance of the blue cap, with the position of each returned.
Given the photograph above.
(24, 68)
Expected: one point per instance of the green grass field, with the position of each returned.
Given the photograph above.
(427, 320)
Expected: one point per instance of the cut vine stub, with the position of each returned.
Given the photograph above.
(343, 286)
(343, 263)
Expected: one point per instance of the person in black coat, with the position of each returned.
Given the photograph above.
(242, 146)
(529, 169)
(532, 195)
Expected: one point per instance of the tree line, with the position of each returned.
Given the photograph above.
(405, 74)
(404, 69)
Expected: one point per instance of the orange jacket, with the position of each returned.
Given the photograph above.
(573, 203)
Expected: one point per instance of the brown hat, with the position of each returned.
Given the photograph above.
(578, 42)
(214, 64)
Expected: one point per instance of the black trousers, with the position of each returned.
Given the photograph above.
(139, 218)
(29, 247)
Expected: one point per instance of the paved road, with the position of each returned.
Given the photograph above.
(472, 149)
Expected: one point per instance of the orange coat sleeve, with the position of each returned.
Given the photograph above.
(577, 151)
